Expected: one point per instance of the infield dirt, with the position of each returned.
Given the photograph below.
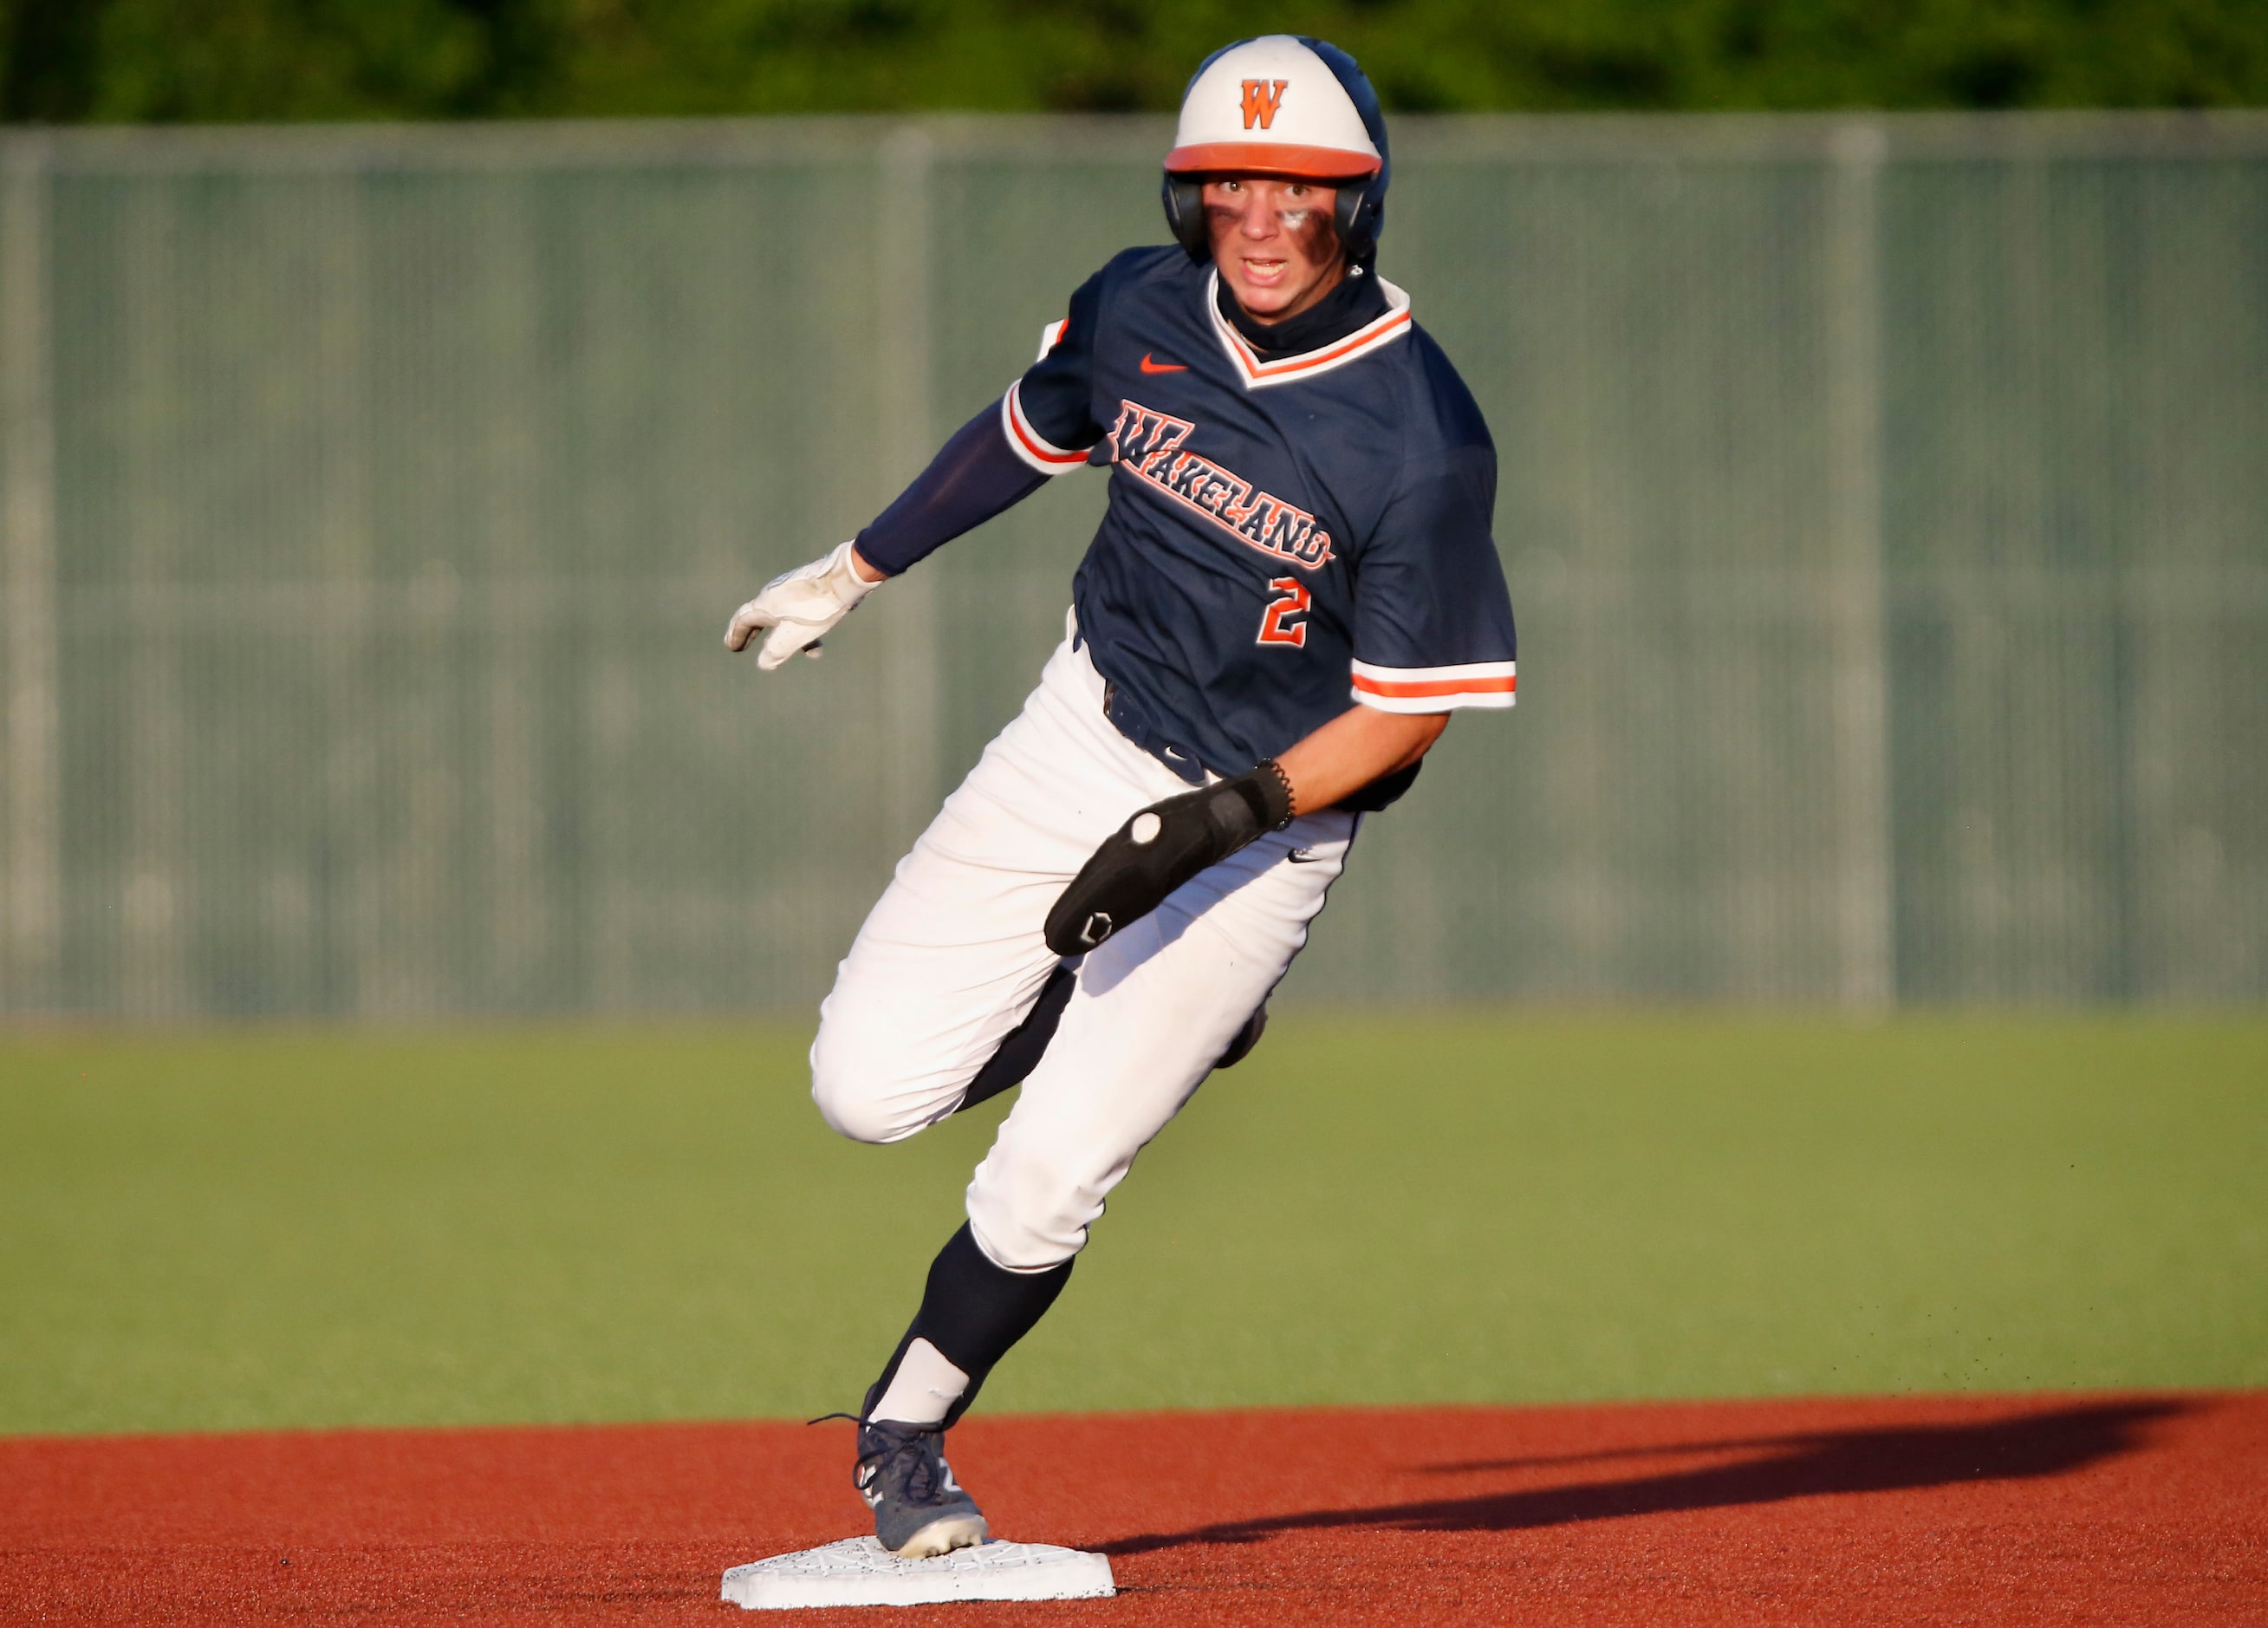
(2137, 1508)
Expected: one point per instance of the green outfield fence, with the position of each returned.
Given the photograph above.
(1885, 502)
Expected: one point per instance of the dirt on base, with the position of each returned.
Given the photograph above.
(1990, 1510)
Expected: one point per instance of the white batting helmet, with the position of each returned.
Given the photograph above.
(1281, 105)
(1273, 107)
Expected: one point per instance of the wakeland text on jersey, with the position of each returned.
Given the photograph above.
(1148, 442)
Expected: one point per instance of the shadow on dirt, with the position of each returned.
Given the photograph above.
(2031, 1446)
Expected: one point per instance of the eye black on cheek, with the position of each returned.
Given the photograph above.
(1317, 235)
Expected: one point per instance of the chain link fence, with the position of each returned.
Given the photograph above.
(1885, 502)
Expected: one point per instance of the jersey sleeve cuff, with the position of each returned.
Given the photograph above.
(1435, 690)
(1029, 444)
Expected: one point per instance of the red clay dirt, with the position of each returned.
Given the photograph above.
(1936, 1510)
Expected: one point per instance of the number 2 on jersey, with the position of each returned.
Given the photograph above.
(1291, 599)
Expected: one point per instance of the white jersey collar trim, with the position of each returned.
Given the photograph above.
(1307, 363)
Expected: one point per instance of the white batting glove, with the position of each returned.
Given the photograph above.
(800, 608)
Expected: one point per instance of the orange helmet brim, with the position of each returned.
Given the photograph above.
(1280, 158)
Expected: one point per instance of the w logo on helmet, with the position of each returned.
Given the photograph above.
(1261, 99)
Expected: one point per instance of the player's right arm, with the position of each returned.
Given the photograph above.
(1041, 427)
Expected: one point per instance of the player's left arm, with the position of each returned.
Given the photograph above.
(1433, 629)
(1433, 633)
(1360, 745)
(1167, 843)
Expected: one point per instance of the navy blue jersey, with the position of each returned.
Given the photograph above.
(1282, 533)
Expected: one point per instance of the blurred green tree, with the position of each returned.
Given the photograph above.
(68, 61)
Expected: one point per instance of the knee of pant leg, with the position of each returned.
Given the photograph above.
(859, 1118)
(854, 1088)
(1028, 1215)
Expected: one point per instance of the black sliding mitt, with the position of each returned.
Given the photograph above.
(1162, 847)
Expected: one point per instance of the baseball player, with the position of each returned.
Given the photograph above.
(1293, 586)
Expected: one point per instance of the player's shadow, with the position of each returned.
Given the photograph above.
(2030, 1446)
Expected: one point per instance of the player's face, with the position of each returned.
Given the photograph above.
(1275, 242)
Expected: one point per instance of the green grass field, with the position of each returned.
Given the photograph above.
(228, 1230)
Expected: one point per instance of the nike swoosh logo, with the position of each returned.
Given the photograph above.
(1303, 856)
(1148, 366)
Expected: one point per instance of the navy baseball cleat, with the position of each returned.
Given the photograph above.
(919, 1509)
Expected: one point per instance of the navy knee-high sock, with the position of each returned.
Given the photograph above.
(973, 1311)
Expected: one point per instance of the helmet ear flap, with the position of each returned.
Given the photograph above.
(1356, 215)
(1184, 200)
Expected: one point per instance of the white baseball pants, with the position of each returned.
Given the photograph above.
(951, 960)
